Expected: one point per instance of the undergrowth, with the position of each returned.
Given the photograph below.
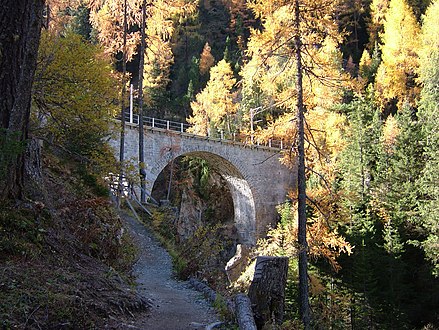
(200, 255)
(65, 260)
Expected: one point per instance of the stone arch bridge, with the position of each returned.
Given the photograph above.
(255, 177)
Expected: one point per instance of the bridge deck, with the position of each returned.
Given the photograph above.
(167, 126)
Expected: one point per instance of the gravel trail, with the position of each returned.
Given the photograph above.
(175, 305)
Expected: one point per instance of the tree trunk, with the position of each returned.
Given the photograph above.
(267, 290)
(301, 179)
(141, 65)
(122, 119)
(20, 22)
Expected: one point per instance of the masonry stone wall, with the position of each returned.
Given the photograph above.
(257, 180)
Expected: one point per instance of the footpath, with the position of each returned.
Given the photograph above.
(175, 305)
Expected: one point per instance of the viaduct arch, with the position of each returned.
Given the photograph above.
(255, 177)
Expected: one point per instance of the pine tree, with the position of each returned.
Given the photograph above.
(378, 10)
(158, 61)
(293, 66)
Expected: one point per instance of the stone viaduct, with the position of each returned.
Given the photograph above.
(256, 178)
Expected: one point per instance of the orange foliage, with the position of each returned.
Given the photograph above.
(323, 241)
(206, 59)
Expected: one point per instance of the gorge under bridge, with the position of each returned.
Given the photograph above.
(255, 176)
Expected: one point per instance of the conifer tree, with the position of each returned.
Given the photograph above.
(294, 65)
(206, 59)
(158, 61)
(396, 75)
(107, 17)
(378, 10)
(214, 107)
(429, 120)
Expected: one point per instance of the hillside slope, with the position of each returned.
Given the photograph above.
(65, 257)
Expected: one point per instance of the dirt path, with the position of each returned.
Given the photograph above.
(175, 305)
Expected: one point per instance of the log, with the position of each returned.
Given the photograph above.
(244, 313)
(267, 290)
(240, 306)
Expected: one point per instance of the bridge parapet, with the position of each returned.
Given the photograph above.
(182, 128)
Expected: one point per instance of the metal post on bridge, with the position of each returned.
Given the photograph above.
(153, 119)
(131, 103)
(167, 125)
(181, 127)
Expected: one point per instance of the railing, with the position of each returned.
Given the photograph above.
(126, 190)
(183, 128)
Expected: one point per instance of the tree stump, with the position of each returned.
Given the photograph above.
(267, 290)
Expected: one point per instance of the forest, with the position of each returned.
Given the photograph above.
(351, 86)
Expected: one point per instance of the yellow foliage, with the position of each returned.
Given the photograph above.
(390, 133)
(323, 242)
(395, 77)
(107, 17)
(158, 59)
(75, 89)
(214, 105)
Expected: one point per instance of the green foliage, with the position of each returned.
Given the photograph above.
(381, 169)
(369, 64)
(202, 250)
(80, 23)
(22, 230)
(428, 116)
(10, 148)
(162, 224)
(74, 93)
(221, 308)
(98, 187)
(199, 169)
(360, 156)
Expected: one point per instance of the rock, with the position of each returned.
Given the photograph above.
(237, 264)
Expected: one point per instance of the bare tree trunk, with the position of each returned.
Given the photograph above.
(141, 65)
(122, 131)
(267, 290)
(20, 22)
(301, 180)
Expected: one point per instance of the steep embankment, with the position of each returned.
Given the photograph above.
(64, 257)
